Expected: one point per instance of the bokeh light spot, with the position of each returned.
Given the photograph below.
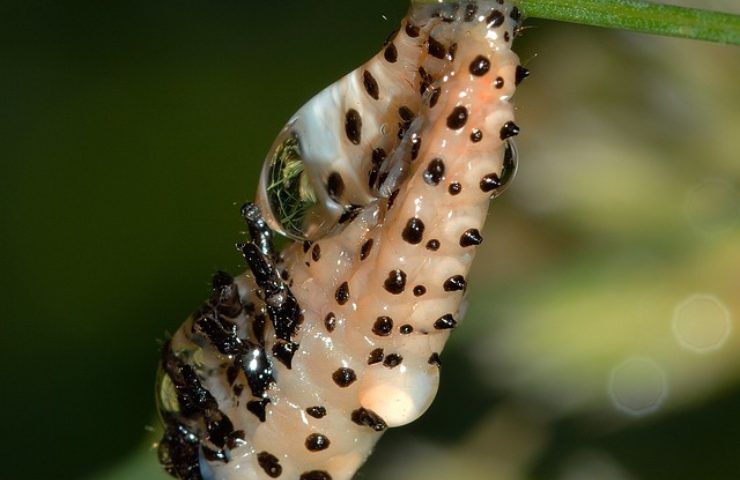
(702, 323)
(638, 386)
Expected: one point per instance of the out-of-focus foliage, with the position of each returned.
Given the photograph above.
(602, 336)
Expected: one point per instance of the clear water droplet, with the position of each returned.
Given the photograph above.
(287, 197)
(508, 169)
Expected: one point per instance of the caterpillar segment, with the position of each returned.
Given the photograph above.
(295, 368)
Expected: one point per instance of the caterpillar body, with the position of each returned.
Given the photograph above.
(296, 367)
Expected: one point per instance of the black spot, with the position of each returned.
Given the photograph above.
(353, 126)
(509, 129)
(426, 80)
(521, 74)
(406, 114)
(471, 238)
(480, 66)
(495, 19)
(315, 475)
(335, 185)
(371, 85)
(415, 147)
(476, 136)
(330, 322)
(238, 389)
(316, 253)
(368, 418)
(317, 442)
(221, 280)
(383, 326)
(436, 49)
(433, 245)
(435, 172)
(350, 213)
(445, 322)
(412, 30)
(392, 198)
(406, 329)
(342, 294)
(434, 97)
(470, 10)
(414, 231)
(457, 119)
(270, 464)
(284, 352)
(507, 37)
(419, 290)
(258, 407)
(316, 412)
(344, 377)
(435, 360)
(376, 356)
(365, 249)
(515, 14)
(499, 83)
(391, 53)
(455, 188)
(396, 282)
(378, 156)
(455, 283)
(490, 182)
(393, 360)
(306, 246)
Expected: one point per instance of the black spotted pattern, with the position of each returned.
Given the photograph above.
(413, 232)
(344, 377)
(471, 238)
(458, 118)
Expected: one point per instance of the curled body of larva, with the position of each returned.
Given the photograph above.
(294, 369)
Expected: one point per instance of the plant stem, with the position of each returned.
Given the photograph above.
(636, 15)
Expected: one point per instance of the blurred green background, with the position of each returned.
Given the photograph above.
(602, 335)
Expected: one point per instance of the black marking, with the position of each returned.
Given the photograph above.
(471, 238)
(406, 329)
(476, 136)
(470, 10)
(426, 80)
(433, 245)
(350, 213)
(365, 249)
(457, 119)
(259, 408)
(258, 369)
(480, 66)
(445, 322)
(330, 322)
(434, 97)
(435, 172)
(455, 188)
(383, 326)
(455, 283)
(284, 352)
(368, 418)
(376, 356)
(378, 156)
(315, 475)
(353, 126)
(509, 130)
(490, 182)
(495, 19)
(316, 412)
(414, 231)
(515, 14)
(420, 290)
(306, 246)
(317, 442)
(335, 185)
(220, 332)
(344, 377)
(521, 74)
(393, 360)
(507, 37)
(179, 451)
(391, 53)
(342, 294)
(270, 464)
(392, 198)
(499, 83)
(396, 282)
(371, 85)
(316, 253)
(435, 360)
(436, 49)
(259, 231)
(415, 147)
(412, 30)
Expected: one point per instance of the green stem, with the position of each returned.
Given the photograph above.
(638, 16)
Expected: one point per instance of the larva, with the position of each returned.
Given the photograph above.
(296, 367)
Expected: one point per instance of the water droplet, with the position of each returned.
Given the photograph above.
(638, 386)
(702, 323)
(287, 196)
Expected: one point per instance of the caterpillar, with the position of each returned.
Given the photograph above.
(382, 182)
